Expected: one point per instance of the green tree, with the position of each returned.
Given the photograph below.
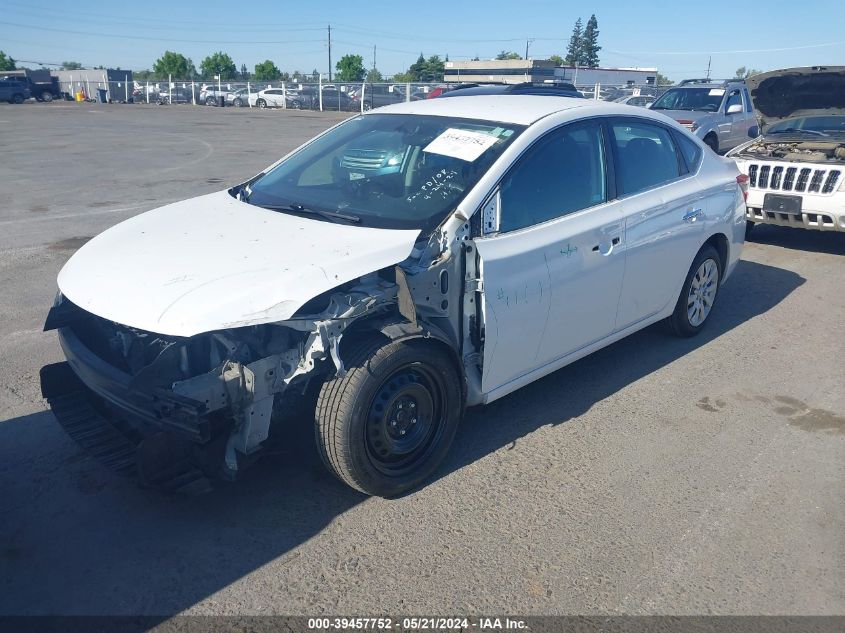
(6, 62)
(297, 76)
(71, 66)
(403, 78)
(590, 49)
(576, 43)
(436, 68)
(284, 77)
(508, 55)
(244, 72)
(266, 71)
(218, 63)
(663, 80)
(350, 68)
(315, 75)
(423, 69)
(744, 73)
(374, 76)
(175, 64)
(557, 59)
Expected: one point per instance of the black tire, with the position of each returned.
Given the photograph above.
(367, 106)
(386, 426)
(238, 103)
(261, 103)
(210, 101)
(46, 97)
(712, 142)
(296, 105)
(17, 98)
(680, 323)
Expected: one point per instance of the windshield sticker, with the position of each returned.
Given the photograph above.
(461, 144)
(437, 186)
(716, 92)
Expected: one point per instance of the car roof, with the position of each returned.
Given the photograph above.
(516, 109)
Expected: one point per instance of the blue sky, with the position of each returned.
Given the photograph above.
(675, 38)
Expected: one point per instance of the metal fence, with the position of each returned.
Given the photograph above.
(300, 95)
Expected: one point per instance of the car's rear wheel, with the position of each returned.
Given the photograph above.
(210, 101)
(46, 97)
(261, 103)
(388, 423)
(18, 98)
(238, 103)
(698, 295)
(712, 142)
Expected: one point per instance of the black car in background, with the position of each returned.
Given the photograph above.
(558, 89)
(14, 91)
(333, 99)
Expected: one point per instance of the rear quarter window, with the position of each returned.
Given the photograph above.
(690, 151)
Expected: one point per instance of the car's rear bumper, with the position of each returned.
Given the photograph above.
(817, 221)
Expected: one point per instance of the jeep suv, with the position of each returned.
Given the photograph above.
(14, 91)
(719, 113)
(796, 168)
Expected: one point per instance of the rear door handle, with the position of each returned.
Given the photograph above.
(692, 215)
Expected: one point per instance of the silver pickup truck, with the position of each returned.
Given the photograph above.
(718, 112)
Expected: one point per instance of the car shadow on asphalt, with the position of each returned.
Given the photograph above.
(75, 539)
(829, 242)
(558, 398)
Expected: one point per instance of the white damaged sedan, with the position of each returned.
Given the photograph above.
(399, 267)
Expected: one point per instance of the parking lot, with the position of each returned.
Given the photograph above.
(659, 475)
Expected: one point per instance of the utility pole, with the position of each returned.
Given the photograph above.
(708, 66)
(374, 56)
(330, 52)
(527, 42)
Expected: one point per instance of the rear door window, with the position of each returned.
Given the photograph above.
(646, 156)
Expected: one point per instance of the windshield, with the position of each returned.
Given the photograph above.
(820, 124)
(705, 99)
(389, 170)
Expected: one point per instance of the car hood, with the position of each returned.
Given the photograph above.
(795, 92)
(214, 262)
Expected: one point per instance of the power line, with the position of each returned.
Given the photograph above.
(152, 39)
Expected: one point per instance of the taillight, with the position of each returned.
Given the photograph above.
(742, 181)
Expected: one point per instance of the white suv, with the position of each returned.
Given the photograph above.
(796, 169)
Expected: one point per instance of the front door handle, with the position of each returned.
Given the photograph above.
(692, 215)
(604, 248)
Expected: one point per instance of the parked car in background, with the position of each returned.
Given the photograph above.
(275, 98)
(42, 85)
(174, 96)
(333, 99)
(550, 90)
(210, 95)
(378, 95)
(238, 98)
(14, 91)
(642, 101)
(796, 167)
(719, 113)
(403, 265)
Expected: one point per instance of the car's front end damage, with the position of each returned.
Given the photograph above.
(796, 167)
(176, 412)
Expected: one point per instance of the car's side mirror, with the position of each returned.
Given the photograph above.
(753, 131)
(735, 108)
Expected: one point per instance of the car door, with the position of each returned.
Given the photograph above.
(552, 259)
(664, 215)
(737, 120)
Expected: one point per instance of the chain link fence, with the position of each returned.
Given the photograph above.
(321, 95)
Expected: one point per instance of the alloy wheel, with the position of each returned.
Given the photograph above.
(702, 292)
